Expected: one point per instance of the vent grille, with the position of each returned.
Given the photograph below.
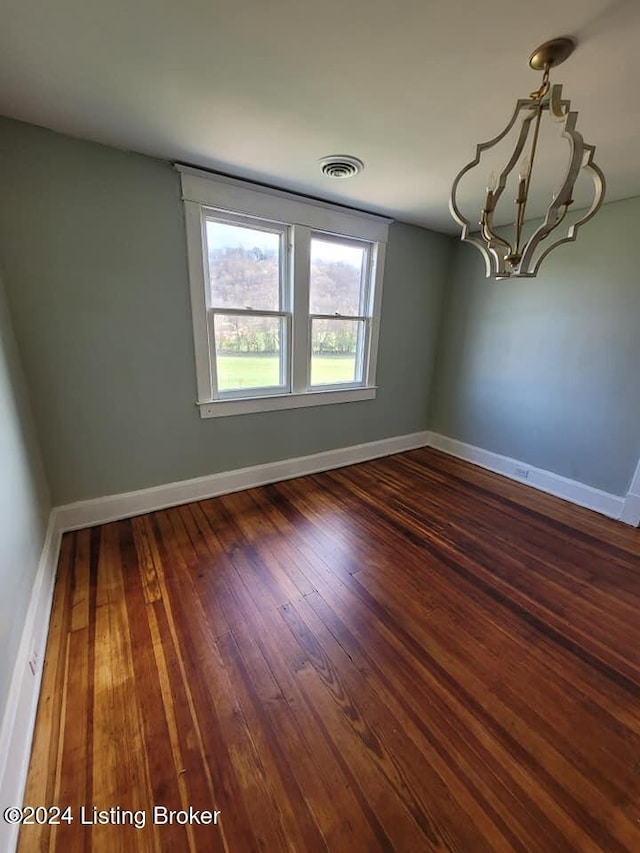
(341, 166)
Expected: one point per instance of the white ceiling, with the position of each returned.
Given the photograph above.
(262, 90)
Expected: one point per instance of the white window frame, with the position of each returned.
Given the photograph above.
(205, 195)
(285, 300)
(365, 316)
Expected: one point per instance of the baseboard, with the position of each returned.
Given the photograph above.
(19, 718)
(538, 478)
(631, 510)
(113, 507)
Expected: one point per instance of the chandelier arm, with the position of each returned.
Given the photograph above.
(552, 219)
(494, 262)
(486, 229)
(492, 259)
(562, 216)
(521, 141)
(600, 186)
(500, 268)
(490, 235)
(482, 146)
(522, 206)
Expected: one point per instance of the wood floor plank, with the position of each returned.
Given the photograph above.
(409, 654)
(440, 709)
(327, 790)
(468, 553)
(343, 824)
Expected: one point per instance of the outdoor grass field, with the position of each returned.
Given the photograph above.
(256, 371)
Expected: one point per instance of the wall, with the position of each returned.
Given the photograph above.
(93, 243)
(546, 370)
(24, 501)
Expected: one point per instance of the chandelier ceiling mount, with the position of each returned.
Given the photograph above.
(551, 53)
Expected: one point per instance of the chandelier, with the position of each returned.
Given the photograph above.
(513, 256)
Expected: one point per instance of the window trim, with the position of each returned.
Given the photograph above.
(227, 197)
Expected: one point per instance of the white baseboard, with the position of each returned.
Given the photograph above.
(631, 510)
(545, 481)
(112, 507)
(19, 717)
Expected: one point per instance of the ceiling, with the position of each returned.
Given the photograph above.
(262, 90)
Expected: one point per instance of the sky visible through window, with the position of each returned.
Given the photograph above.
(330, 252)
(227, 236)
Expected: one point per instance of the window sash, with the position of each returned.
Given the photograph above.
(284, 356)
(285, 297)
(283, 230)
(361, 353)
(364, 318)
(365, 303)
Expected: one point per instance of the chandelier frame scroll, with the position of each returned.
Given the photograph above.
(504, 259)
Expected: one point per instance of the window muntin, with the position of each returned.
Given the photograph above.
(249, 299)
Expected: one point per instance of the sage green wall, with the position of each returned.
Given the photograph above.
(24, 501)
(92, 239)
(546, 370)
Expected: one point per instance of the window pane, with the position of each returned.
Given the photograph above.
(248, 351)
(334, 347)
(336, 277)
(244, 267)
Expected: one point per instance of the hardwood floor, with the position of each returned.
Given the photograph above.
(410, 654)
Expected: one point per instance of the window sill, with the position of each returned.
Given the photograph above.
(248, 405)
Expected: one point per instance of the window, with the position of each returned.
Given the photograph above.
(285, 297)
(249, 297)
(338, 309)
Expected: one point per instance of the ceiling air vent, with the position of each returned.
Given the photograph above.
(340, 166)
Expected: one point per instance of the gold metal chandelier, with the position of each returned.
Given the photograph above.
(515, 257)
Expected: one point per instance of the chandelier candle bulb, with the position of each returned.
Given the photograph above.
(489, 202)
(522, 189)
(505, 259)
